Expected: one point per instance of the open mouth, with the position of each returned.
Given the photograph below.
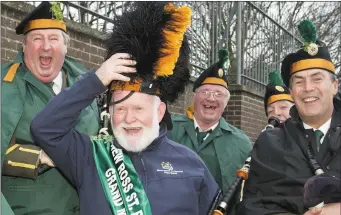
(209, 107)
(45, 61)
(132, 130)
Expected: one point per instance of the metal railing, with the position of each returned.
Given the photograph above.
(255, 41)
(264, 44)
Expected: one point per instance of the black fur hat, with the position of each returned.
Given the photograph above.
(153, 33)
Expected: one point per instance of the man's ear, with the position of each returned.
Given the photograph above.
(161, 111)
(335, 86)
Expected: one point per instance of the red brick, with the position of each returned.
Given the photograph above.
(10, 55)
(8, 43)
(12, 35)
(93, 50)
(96, 42)
(3, 12)
(102, 52)
(8, 23)
(14, 14)
(3, 53)
(3, 32)
(72, 35)
(238, 103)
(85, 56)
(4, 61)
(82, 37)
(74, 53)
(81, 46)
(96, 59)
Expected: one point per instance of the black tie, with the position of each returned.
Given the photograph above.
(202, 135)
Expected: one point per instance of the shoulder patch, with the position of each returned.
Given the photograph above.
(11, 72)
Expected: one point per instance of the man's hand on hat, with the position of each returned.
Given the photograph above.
(118, 63)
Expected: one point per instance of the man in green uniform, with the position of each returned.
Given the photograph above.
(223, 147)
(277, 99)
(40, 71)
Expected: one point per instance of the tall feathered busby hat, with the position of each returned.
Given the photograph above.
(313, 55)
(153, 33)
(215, 74)
(45, 16)
(276, 90)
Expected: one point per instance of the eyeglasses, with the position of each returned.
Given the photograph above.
(207, 93)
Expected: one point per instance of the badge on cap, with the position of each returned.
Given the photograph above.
(220, 73)
(279, 88)
(312, 49)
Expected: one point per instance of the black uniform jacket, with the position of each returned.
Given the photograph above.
(279, 166)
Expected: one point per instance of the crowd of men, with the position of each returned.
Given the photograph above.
(61, 155)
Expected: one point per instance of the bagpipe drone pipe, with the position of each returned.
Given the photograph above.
(223, 205)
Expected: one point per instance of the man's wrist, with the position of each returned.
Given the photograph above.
(41, 151)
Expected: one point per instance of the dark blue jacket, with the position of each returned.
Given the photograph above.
(190, 191)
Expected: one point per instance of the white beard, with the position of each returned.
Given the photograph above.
(140, 143)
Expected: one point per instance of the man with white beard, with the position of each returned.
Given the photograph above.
(128, 137)
(138, 170)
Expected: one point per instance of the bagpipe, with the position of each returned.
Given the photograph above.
(242, 176)
(102, 101)
(323, 188)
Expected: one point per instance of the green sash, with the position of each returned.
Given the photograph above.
(121, 184)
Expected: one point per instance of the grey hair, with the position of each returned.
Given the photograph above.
(333, 77)
(66, 38)
(157, 100)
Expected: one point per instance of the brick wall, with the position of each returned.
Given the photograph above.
(244, 110)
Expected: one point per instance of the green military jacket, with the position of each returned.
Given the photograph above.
(224, 151)
(21, 99)
(5, 208)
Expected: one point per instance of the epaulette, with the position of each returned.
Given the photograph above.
(11, 72)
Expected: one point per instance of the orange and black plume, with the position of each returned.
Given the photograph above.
(153, 33)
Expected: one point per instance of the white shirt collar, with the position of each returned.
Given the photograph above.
(58, 82)
(324, 128)
(196, 125)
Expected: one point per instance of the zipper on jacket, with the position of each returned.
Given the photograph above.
(145, 172)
